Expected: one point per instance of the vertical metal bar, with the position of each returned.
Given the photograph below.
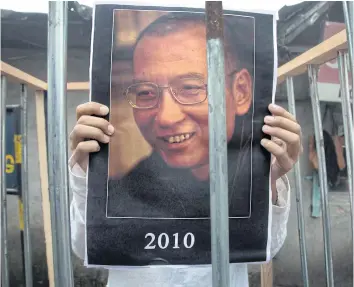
(3, 203)
(57, 149)
(20, 213)
(18, 160)
(348, 24)
(18, 143)
(217, 145)
(347, 115)
(351, 53)
(298, 190)
(24, 187)
(348, 11)
(312, 73)
(350, 114)
(348, 129)
(349, 20)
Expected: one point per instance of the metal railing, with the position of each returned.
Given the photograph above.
(312, 72)
(20, 146)
(57, 162)
(298, 191)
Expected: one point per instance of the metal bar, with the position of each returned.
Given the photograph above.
(348, 129)
(348, 24)
(12, 191)
(347, 115)
(25, 189)
(22, 242)
(18, 143)
(348, 7)
(12, 107)
(3, 200)
(351, 52)
(217, 145)
(57, 149)
(298, 192)
(348, 11)
(312, 73)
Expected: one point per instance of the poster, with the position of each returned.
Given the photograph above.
(148, 197)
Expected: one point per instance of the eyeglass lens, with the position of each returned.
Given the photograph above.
(186, 91)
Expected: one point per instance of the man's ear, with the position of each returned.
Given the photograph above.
(242, 91)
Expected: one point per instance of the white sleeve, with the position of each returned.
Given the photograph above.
(77, 179)
(280, 215)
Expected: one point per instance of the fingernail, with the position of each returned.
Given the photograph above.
(98, 147)
(104, 110)
(275, 107)
(263, 141)
(110, 129)
(105, 139)
(265, 128)
(269, 119)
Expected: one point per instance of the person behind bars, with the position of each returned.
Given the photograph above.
(170, 108)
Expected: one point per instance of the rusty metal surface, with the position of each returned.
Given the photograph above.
(214, 20)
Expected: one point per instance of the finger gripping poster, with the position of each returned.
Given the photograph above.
(148, 200)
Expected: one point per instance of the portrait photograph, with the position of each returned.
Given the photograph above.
(148, 197)
(163, 172)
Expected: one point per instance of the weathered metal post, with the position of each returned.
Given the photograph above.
(24, 187)
(3, 203)
(57, 147)
(348, 128)
(217, 145)
(348, 11)
(298, 192)
(312, 73)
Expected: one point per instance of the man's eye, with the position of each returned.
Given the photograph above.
(191, 87)
(145, 93)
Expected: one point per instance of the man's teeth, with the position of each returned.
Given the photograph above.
(179, 138)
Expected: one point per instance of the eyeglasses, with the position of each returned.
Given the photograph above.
(146, 95)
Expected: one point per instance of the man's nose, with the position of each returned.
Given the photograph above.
(169, 111)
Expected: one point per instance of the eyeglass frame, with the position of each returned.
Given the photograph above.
(158, 87)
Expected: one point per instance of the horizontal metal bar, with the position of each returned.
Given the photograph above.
(12, 191)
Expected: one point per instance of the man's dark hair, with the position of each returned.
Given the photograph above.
(238, 34)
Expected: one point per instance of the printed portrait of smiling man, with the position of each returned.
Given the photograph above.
(168, 96)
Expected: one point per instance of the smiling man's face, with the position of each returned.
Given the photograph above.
(179, 133)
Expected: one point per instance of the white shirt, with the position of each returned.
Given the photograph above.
(170, 276)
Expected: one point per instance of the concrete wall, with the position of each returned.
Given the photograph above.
(287, 270)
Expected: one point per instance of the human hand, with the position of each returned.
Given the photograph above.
(285, 144)
(90, 129)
